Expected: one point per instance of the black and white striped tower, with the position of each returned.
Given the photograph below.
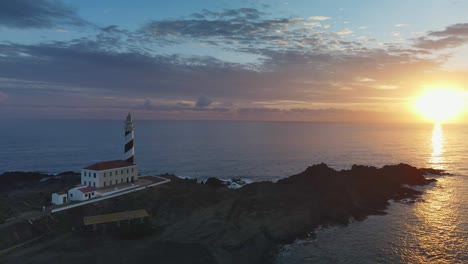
(129, 137)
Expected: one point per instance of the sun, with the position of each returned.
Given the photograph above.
(440, 105)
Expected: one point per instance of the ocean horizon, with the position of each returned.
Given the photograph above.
(166, 146)
(258, 151)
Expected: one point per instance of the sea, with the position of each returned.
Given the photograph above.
(432, 230)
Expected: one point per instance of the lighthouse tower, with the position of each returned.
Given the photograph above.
(129, 137)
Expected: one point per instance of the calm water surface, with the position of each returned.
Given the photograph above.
(435, 229)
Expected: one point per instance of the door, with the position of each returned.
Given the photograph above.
(64, 200)
(132, 179)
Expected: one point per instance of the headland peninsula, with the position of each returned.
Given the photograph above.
(196, 222)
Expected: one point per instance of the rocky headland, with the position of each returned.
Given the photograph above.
(194, 222)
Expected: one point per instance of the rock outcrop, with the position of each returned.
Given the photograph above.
(247, 225)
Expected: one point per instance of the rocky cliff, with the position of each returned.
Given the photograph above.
(244, 225)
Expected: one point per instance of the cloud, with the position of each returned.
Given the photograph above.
(203, 101)
(38, 14)
(307, 73)
(238, 24)
(441, 43)
(148, 104)
(316, 115)
(364, 79)
(293, 62)
(451, 37)
(234, 28)
(345, 31)
(452, 30)
(319, 18)
(401, 25)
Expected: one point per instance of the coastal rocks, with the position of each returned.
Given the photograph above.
(215, 182)
(17, 177)
(232, 183)
(248, 224)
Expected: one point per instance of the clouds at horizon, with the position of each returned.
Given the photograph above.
(294, 67)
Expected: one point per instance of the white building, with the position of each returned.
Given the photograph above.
(108, 173)
(81, 193)
(60, 198)
(105, 174)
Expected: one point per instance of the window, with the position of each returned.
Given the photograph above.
(121, 180)
(127, 170)
(71, 194)
(92, 193)
(94, 175)
(104, 184)
(84, 183)
(132, 169)
(86, 195)
(121, 171)
(104, 174)
(116, 172)
(94, 184)
(110, 173)
(116, 182)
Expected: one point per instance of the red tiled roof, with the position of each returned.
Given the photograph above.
(86, 189)
(107, 165)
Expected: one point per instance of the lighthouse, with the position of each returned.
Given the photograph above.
(129, 139)
(99, 178)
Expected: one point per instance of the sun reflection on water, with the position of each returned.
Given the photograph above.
(437, 160)
(435, 232)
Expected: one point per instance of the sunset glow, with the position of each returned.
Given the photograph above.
(307, 61)
(440, 105)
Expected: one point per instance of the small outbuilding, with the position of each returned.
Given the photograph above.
(81, 193)
(59, 198)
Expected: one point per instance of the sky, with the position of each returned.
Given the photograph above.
(296, 60)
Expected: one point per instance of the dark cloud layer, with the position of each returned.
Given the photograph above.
(37, 14)
(203, 101)
(299, 66)
(283, 76)
(451, 37)
(235, 24)
(235, 28)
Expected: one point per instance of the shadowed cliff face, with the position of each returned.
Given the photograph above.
(247, 225)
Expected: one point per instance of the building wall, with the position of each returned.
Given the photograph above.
(58, 198)
(106, 178)
(75, 194)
